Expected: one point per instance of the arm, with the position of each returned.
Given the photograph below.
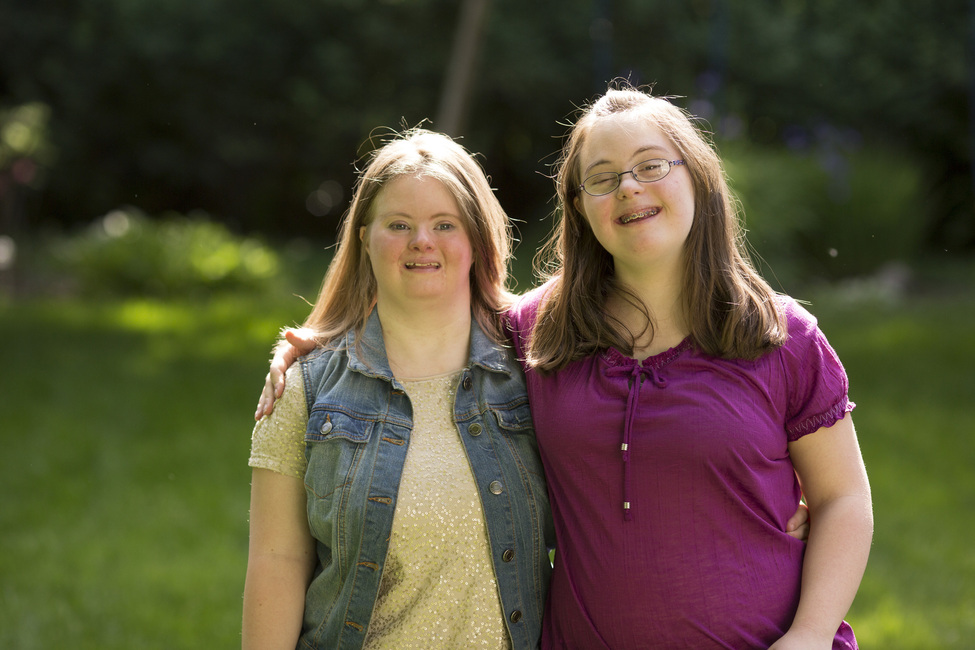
(834, 482)
(280, 561)
(297, 342)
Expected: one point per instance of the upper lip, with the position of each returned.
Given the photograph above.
(639, 214)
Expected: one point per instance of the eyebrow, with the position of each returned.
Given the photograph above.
(648, 148)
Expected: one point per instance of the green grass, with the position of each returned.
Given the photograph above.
(124, 476)
(912, 374)
(124, 470)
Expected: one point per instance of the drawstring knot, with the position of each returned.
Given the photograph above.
(637, 373)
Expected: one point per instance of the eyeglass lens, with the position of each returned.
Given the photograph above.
(645, 172)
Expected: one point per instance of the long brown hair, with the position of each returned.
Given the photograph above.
(348, 291)
(730, 310)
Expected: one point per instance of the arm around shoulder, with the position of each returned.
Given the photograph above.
(834, 481)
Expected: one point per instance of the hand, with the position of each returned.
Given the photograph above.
(798, 524)
(297, 343)
(798, 639)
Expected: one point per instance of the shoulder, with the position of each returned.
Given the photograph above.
(797, 318)
(524, 310)
(803, 333)
(520, 318)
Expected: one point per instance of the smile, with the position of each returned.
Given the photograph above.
(636, 216)
(422, 265)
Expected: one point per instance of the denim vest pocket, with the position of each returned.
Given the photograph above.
(517, 419)
(335, 445)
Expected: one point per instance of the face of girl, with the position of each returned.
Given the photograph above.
(642, 225)
(417, 244)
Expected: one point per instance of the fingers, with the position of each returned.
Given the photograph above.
(296, 343)
(265, 405)
(798, 524)
(302, 338)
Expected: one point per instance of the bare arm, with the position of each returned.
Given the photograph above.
(280, 561)
(297, 342)
(834, 482)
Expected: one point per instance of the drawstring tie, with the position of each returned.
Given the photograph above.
(637, 374)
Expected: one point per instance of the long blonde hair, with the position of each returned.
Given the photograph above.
(348, 291)
(730, 310)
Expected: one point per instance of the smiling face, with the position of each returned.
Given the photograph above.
(417, 244)
(642, 225)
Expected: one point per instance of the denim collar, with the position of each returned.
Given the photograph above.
(369, 356)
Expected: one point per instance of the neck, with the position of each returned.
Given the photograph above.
(661, 294)
(425, 343)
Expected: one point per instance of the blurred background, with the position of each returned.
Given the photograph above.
(172, 174)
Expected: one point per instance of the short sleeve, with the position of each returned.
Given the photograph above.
(818, 384)
(278, 440)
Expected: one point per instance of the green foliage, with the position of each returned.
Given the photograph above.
(826, 214)
(125, 252)
(245, 109)
(24, 137)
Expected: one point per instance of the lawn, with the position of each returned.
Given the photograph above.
(125, 488)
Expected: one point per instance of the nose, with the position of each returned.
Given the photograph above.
(422, 239)
(629, 185)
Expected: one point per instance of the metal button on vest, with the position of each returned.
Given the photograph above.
(516, 616)
(474, 429)
(326, 427)
(495, 487)
(508, 555)
(468, 382)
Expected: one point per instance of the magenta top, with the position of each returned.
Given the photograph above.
(671, 484)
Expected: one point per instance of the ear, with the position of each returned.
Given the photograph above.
(577, 204)
(362, 238)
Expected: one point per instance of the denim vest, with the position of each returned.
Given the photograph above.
(358, 433)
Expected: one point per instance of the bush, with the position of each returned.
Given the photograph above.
(827, 214)
(125, 252)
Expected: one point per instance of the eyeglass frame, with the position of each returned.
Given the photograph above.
(619, 175)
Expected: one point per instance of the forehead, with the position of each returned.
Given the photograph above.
(415, 196)
(615, 140)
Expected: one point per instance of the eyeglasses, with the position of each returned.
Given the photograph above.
(646, 172)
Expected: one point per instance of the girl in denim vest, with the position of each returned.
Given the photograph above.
(398, 499)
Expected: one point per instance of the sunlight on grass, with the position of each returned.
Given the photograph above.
(154, 316)
(910, 368)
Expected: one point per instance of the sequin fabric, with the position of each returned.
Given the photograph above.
(438, 588)
(278, 440)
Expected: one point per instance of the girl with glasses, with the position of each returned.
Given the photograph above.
(681, 408)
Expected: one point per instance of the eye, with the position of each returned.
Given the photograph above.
(649, 167)
(398, 226)
(601, 180)
(446, 226)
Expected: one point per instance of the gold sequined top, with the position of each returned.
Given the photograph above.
(438, 588)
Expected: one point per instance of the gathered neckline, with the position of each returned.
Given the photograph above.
(614, 357)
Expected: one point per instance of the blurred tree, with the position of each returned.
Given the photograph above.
(461, 67)
(829, 74)
(252, 110)
(239, 108)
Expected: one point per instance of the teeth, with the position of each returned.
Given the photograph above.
(639, 215)
(424, 265)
